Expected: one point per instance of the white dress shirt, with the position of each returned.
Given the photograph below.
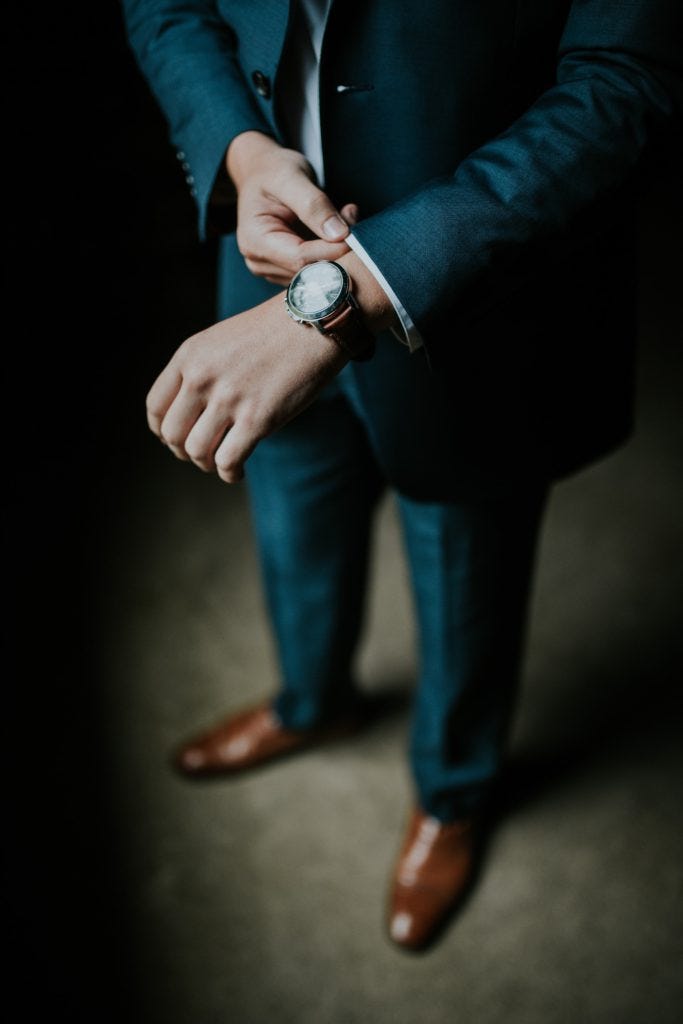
(302, 113)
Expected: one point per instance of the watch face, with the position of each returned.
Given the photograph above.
(316, 289)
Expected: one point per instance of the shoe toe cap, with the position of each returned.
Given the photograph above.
(402, 926)
(191, 759)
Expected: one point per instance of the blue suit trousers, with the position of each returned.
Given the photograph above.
(314, 485)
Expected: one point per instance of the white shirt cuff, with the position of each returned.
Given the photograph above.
(409, 334)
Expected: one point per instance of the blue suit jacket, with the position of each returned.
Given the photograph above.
(492, 150)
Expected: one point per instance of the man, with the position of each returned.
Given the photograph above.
(474, 335)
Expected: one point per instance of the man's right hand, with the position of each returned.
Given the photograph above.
(279, 207)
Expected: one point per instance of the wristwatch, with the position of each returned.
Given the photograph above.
(321, 294)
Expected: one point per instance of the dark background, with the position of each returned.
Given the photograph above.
(105, 279)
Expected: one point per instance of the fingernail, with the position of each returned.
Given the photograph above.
(334, 227)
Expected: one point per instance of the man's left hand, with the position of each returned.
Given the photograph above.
(228, 387)
(231, 385)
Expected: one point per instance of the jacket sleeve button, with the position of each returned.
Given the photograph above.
(261, 84)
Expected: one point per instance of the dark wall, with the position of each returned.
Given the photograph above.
(104, 280)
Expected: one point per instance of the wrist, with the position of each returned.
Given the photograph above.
(323, 295)
(297, 335)
(245, 151)
(375, 306)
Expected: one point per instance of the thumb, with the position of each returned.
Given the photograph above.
(313, 208)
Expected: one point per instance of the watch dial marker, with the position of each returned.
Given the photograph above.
(316, 288)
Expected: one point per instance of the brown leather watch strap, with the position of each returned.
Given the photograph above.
(349, 331)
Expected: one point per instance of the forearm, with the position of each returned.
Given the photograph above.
(513, 201)
(378, 312)
(187, 54)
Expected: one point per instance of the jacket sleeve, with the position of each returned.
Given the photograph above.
(618, 86)
(187, 54)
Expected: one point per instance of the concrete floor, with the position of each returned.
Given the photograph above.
(261, 899)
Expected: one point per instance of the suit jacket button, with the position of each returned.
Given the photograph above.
(261, 84)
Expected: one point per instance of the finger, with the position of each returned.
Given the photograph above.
(264, 268)
(314, 250)
(236, 447)
(204, 438)
(180, 417)
(313, 208)
(350, 213)
(281, 251)
(177, 451)
(161, 394)
(306, 252)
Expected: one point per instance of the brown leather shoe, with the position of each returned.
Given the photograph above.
(250, 738)
(432, 875)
